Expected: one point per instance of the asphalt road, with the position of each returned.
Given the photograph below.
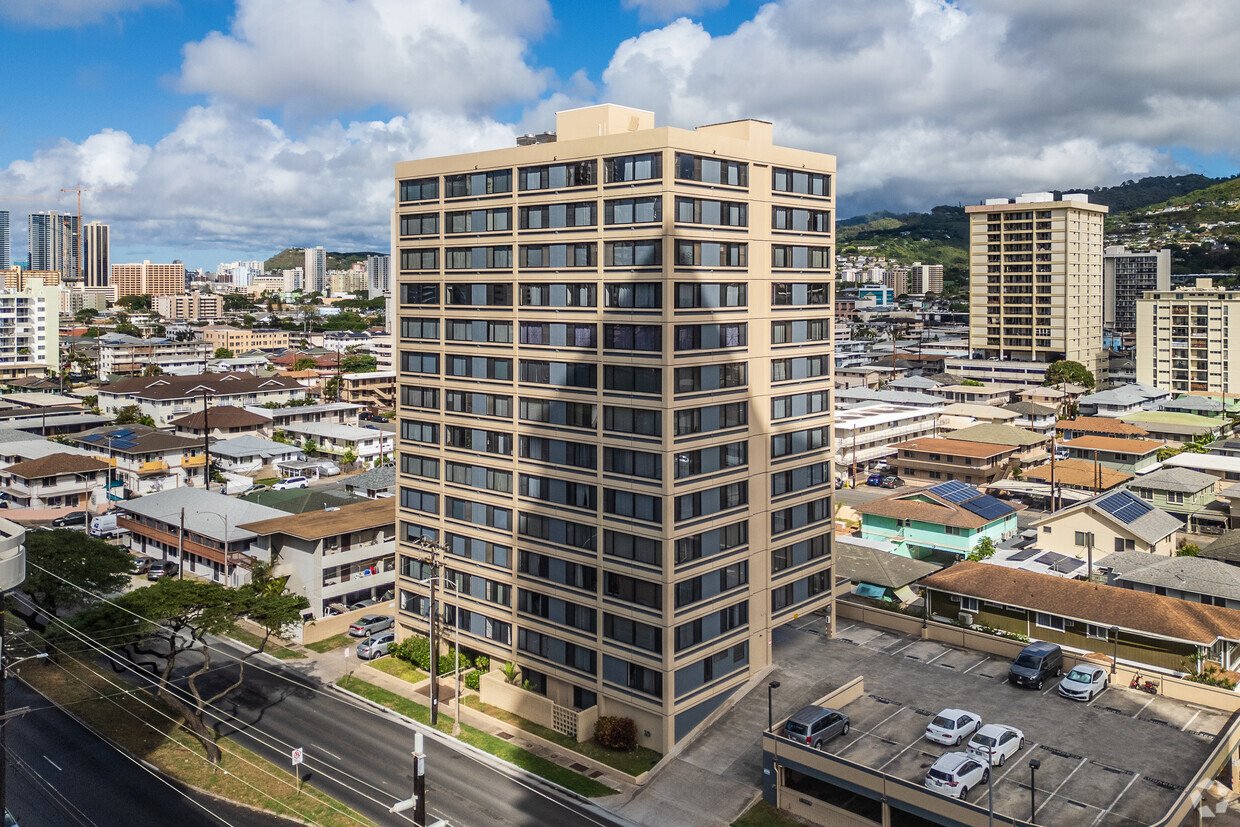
(363, 758)
(60, 773)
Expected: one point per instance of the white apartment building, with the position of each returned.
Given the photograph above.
(30, 330)
(378, 274)
(870, 432)
(1186, 338)
(121, 355)
(316, 270)
(1035, 282)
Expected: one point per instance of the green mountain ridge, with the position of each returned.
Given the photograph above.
(291, 257)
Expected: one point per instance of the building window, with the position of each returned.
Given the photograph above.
(800, 404)
(711, 418)
(558, 295)
(790, 294)
(800, 442)
(634, 296)
(633, 505)
(711, 254)
(647, 337)
(559, 491)
(478, 476)
(1122, 544)
(413, 362)
(1084, 539)
(557, 216)
(559, 452)
(712, 213)
(968, 604)
(633, 253)
(713, 542)
(419, 189)
(643, 550)
(642, 167)
(800, 220)
(633, 210)
(799, 182)
(558, 176)
(633, 463)
(557, 412)
(632, 590)
(710, 460)
(419, 224)
(471, 330)
(558, 256)
(1048, 621)
(710, 170)
(630, 379)
(711, 336)
(711, 377)
(807, 330)
(711, 501)
(633, 633)
(474, 184)
(637, 421)
(558, 374)
(479, 295)
(478, 221)
(478, 404)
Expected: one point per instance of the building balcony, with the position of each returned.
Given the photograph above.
(193, 462)
(154, 467)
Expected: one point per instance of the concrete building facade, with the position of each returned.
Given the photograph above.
(96, 255)
(1035, 280)
(316, 270)
(193, 306)
(1185, 338)
(149, 279)
(1126, 277)
(615, 393)
(240, 339)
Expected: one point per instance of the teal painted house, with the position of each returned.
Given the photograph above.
(945, 521)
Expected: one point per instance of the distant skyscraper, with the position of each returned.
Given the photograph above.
(1126, 276)
(925, 278)
(316, 269)
(377, 274)
(149, 279)
(54, 243)
(96, 254)
(6, 249)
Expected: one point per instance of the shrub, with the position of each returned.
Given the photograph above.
(415, 650)
(473, 680)
(445, 664)
(483, 663)
(616, 733)
(512, 672)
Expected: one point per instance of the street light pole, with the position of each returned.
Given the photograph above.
(770, 715)
(1034, 764)
(456, 665)
(1114, 649)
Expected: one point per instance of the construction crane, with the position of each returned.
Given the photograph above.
(79, 189)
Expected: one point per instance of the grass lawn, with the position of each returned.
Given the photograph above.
(328, 644)
(398, 668)
(274, 647)
(475, 737)
(632, 763)
(267, 481)
(129, 719)
(762, 814)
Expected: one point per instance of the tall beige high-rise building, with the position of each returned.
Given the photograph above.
(925, 278)
(1035, 286)
(615, 379)
(316, 270)
(149, 279)
(96, 254)
(1186, 338)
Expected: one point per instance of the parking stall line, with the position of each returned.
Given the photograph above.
(1190, 721)
(939, 655)
(1142, 709)
(974, 666)
(1104, 813)
(902, 648)
(898, 754)
(885, 720)
(1061, 783)
(1015, 764)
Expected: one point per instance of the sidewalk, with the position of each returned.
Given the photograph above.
(333, 665)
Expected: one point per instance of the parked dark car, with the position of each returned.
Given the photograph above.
(160, 569)
(891, 482)
(73, 518)
(875, 479)
(372, 417)
(1035, 663)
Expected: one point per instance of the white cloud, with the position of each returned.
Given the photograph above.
(318, 58)
(927, 101)
(56, 14)
(671, 9)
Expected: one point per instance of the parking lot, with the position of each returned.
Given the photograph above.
(1121, 759)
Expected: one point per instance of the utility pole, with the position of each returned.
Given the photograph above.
(434, 618)
(418, 802)
(206, 440)
(180, 549)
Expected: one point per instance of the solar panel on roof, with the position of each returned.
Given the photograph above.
(987, 507)
(122, 432)
(1052, 558)
(1125, 506)
(1023, 554)
(1066, 565)
(954, 491)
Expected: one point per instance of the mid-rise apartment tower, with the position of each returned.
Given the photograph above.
(1126, 277)
(615, 392)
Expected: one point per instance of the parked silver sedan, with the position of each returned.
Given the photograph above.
(375, 646)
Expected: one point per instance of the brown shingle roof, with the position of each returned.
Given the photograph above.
(1101, 425)
(194, 387)
(142, 439)
(318, 524)
(1115, 445)
(1079, 473)
(939, 512)
(1167, 617)
(53, 464)
(954, 447)
(221, 416)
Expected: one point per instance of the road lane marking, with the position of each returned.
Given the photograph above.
(53, 763)
(325, 752)
(1047, 800)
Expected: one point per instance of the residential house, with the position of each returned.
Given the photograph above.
(146, 460)
(1189, 495)
(1178, 428)
(890, 397)
(870, 375)
(1224, 466)
(55, 481)
(1122, 400)
(1078, 475)
(165, 398)
(1196, 579)
(334, 441)
(914, 383)
(208, 525)
(963, 414)
(1200, 405)
(948, 519)
(985, 394)
(121, 355)
(1115, 521)
(328, 413)
(879, 574)
(1146, 629)
(252, 455)
(334, 557)
(1231, 496)
(1060, 397)
(974, 463)
(1031, 449)
(220, 422)
(1129, 455)
(375, 484)
(1225, 549)
(1033, 417)
(375, 390)
(1099, 426)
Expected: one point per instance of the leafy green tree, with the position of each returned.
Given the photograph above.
(85, 315)
(308, 447)
(359, 363)
(237, 301)
(349, 457)
(971, 383)
(128, 329)
(85, 562)
(1188, 550)
(136, 303)
(223, 353)
(305, 363)
(93, 333)
(174, 619)
(132, 415)
(159, 330)
(1068, 371)
(984, 549)
(331, 388)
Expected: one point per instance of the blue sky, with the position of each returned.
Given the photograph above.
(239, 127)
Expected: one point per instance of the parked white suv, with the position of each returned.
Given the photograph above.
(291, 482)
(956, 773)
